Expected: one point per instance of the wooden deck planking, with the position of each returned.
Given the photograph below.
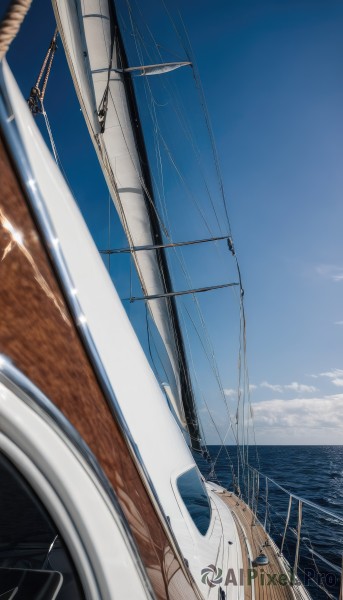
(256, 537)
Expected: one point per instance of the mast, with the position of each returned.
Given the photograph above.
(187, 394)
(98, 63)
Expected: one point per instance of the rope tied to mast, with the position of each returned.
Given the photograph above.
(36, 98)
(11, 23)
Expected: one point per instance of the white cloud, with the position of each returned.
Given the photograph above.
(332, 374)
(299, 420)
(230, 392)
(335, 375)
(300, 388)
(270, 386)
(252, 387)
(338, 323)
(333, 272)
(301, 414)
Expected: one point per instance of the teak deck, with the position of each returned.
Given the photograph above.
(253, 538)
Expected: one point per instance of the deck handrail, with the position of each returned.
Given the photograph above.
(312, 505)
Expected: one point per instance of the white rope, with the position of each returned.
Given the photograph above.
(52, 142)
(11, 23)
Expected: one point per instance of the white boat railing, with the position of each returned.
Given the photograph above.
(260, 506)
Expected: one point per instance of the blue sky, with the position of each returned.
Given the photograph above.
(273, 79)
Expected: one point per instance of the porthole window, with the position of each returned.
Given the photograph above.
(34, 560)
(194, 495)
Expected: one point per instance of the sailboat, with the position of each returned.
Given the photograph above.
(102, 497)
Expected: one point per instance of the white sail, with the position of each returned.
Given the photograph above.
(85, 29)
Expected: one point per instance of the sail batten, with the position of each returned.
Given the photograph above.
(97, 61)
(157, 69)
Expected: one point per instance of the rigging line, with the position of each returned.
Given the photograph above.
(148, 86)
(52, 50)
(167, 84)
(243, 323)
(212, 363)
(182, 293)
(244, 379)
(138, 269)
(156, 45)
(150, 341)
(321, 558)
(213, 463)
(140, 275)
(212, 360)
(196, 152)
(235, 479)
(109, 231)
(103, 106)
(183, 123)
(214, 371)
(128, 233)
(319, 585)
(190, 56)
(138, 172)
(194, 372)
(153, 118)
(103, 153)
(158, 246)
(204, 398)
(318, 556)
(53, 146)
(251, 413)
(169, 154)
(238, 401)
(36, 98)
(161, 194)
(189, 53)
(183, 181)
(52, 142)
(159, 161)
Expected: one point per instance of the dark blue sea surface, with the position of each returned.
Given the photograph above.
(314, 473)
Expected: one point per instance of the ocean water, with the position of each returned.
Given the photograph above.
(314, 473)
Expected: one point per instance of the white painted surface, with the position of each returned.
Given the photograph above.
(87, 523)
(142, 402)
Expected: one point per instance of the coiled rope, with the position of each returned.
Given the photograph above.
(11, 23)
